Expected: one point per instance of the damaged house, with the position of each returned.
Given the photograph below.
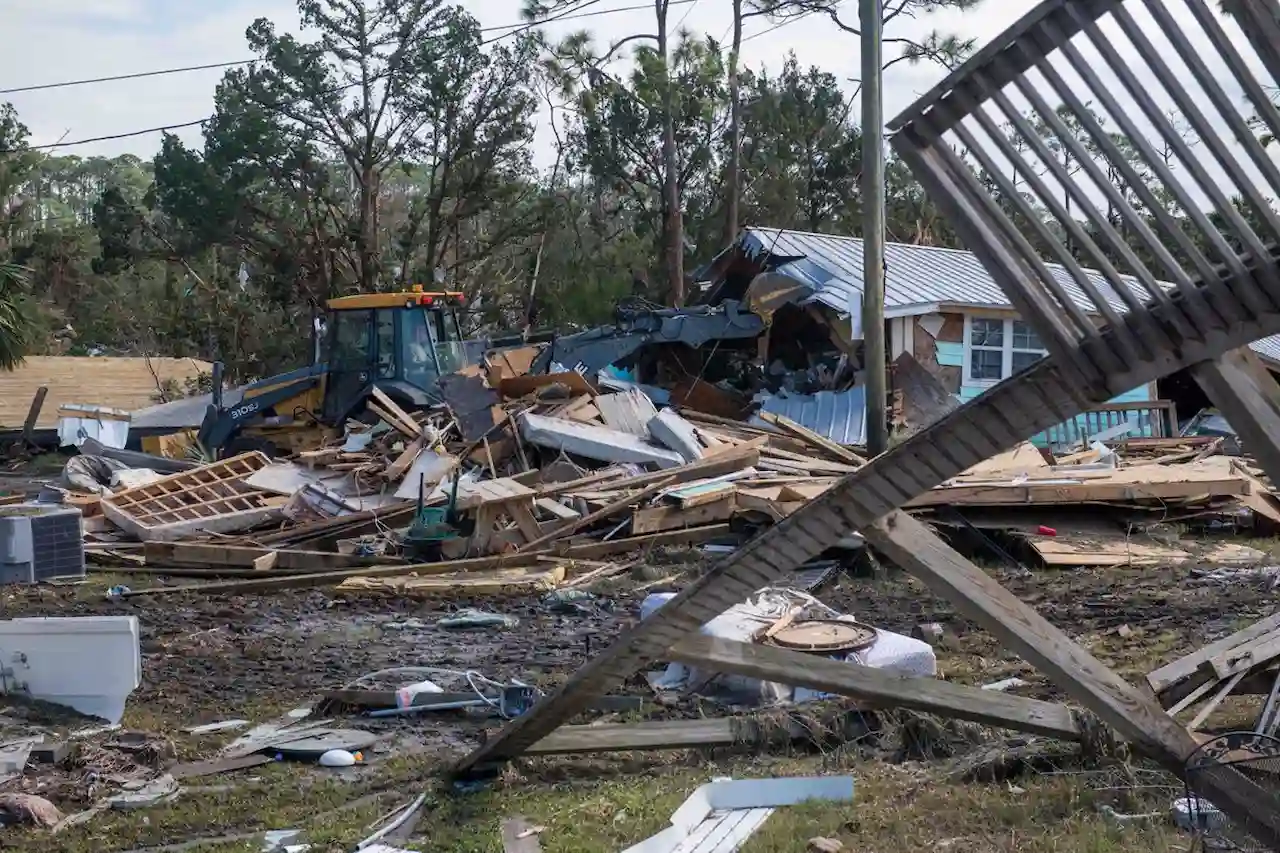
(944, 313)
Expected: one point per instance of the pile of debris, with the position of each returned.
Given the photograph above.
(515, 475)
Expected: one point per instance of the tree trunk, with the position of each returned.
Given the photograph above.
(368, 231)
(733, 178)
(672, 221)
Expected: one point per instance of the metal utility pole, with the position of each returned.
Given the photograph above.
(873, 347)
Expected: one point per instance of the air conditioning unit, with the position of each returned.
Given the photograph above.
(40, 542)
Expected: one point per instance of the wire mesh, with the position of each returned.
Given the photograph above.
(1239, 759)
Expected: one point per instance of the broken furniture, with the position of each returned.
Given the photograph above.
(210, 499)
(497, 503)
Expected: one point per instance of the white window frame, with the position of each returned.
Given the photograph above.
(1006, 351)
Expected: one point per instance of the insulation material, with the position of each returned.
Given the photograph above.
(628, 411)
(676, 433)
(593, 442)
(890, 652)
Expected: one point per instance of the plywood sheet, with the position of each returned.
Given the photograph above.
(118, 383)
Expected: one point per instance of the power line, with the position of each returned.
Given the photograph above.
(686, 14)
(776, 27)
(133, 76)
(137, 75)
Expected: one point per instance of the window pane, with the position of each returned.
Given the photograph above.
(986, 333)
(1025, 337)
(351, 339)
(385, 333)
(1024, 359)
(985, 364)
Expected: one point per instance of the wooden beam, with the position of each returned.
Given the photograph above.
(246, 556)
(1136, 716)
(1170, 674)
(818, 441)
(1247, 395)
(33, 413)
(290, 579)
(989, 707)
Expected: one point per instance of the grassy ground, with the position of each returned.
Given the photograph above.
(607, 803)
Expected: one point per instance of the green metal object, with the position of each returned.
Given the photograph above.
(432, 526)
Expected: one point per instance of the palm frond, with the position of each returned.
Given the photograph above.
(19, 324)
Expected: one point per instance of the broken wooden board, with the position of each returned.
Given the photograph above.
(273, 582)
(209, 554)
(1205, 479)
(1118, 550)
(1022, 458)
(659, 518)
(1185, 667)
(500, 582)
(989, 707)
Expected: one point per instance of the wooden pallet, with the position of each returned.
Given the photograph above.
(210, 499)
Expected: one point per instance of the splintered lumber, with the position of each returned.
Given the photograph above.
(1185, 667)
(242, 556)
(989, 707)
(1139, 483)
(820, 442)
(657, 518)
(495, 582)
(272, 581)
(570, 527)
(395, 416)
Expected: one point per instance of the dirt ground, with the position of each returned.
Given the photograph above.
(212, 658)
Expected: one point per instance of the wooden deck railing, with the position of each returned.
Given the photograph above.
(1149, 419)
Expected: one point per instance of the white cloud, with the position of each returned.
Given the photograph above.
(97, 38)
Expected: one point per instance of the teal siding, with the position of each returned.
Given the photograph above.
(950, 354)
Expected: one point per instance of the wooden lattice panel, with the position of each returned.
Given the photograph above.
(213, 498)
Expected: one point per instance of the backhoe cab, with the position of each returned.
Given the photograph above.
(400, 343)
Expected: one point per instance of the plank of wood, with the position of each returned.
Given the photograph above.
(404, 418)
(1212, 704)
(218, 765)
(210, 554)
(989, 707)
(275, 581)
(1122, 487)
(569, 527)
(1242, 658)
(1246, 393)
(820, 442)
(660, 734)
(395, 472)
(657, 518)
(1163, 678)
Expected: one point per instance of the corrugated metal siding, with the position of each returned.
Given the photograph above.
(914, 275)
(840, 416)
